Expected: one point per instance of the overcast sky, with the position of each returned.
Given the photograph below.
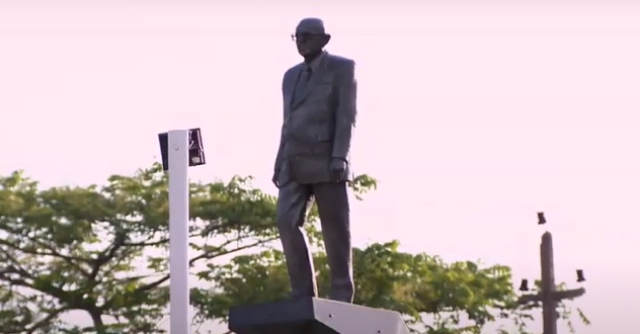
(473, 117)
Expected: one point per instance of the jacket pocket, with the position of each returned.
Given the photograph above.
(323, 91)
(323, 134)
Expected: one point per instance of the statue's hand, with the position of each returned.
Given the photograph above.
(275, 178)
(337, 167)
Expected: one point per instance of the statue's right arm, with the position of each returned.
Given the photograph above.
(278, 164)
(279, 158)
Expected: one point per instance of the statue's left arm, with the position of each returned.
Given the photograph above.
(345, 115)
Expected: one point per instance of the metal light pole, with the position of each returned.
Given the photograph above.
(180, 149)
(549, 296)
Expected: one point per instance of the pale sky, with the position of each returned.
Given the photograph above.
(472, 117)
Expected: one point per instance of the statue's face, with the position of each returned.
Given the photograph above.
(309, 43)
(310, 37)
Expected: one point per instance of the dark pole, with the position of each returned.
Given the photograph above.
(549, 303)
(548, 295)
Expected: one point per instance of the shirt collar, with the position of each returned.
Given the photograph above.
(316, 62)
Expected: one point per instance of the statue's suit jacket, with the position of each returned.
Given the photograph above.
(318, 121)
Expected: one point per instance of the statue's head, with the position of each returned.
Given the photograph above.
(310, 37)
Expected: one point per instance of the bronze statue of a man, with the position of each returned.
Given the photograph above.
(313, 160)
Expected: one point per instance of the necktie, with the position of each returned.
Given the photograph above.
(304, 78)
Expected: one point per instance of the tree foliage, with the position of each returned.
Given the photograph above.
(436, 297)
(103, 249)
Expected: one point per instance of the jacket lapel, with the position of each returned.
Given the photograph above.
(313, 82)
(290, 86)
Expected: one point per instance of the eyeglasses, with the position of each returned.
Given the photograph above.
(304, 36)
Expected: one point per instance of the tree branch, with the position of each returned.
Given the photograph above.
(50, 252)
(14, 267)
(106, 255)
(46, 320)
(205, 255)
(209, 255)
(53, 291)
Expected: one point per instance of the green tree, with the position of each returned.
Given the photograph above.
(103, 249)
(436, 297)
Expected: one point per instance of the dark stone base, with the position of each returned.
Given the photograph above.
(314, 316)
